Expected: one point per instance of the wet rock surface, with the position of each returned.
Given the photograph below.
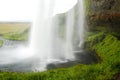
(104, 13)
(104, 5)
(83, 57)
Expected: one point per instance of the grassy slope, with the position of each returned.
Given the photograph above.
(14, 31)
(18, 35)
(108, 48)
(13, 27)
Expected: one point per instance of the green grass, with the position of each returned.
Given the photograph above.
(104, 44)
(17, 36)
(13, 27)
(14, 36)
(1, 43)
(14, 31)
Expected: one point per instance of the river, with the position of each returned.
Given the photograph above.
(12, 43)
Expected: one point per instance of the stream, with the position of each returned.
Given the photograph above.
(7, 44)
(14, 58)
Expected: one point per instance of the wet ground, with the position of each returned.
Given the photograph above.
(81, 57)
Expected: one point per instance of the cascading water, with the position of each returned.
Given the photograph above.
(55, 38)
(81, 22)
(45, 43)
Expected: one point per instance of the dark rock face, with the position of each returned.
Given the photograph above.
(117, 76)
(104, 5)
(101, 5)
(83, 57)
(104, 13)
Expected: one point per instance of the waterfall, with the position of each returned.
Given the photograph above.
(81, 22)
(70, 20)
(45, 42)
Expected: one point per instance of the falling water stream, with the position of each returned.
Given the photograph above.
(46, 45)
(42, 41)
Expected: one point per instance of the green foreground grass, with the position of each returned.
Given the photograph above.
(105, 45)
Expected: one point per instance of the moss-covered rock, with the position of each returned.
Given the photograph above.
(107, 46)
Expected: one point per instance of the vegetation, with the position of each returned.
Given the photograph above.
(14, 31)
(17, 36)
(13, 27)
(87, 3)
(1, 43)
(108, 48)
(104, 44)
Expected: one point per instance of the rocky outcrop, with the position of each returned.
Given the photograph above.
(105, 16)
(104, 13)
(102, 6)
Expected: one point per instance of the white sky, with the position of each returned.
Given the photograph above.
(24, 10)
